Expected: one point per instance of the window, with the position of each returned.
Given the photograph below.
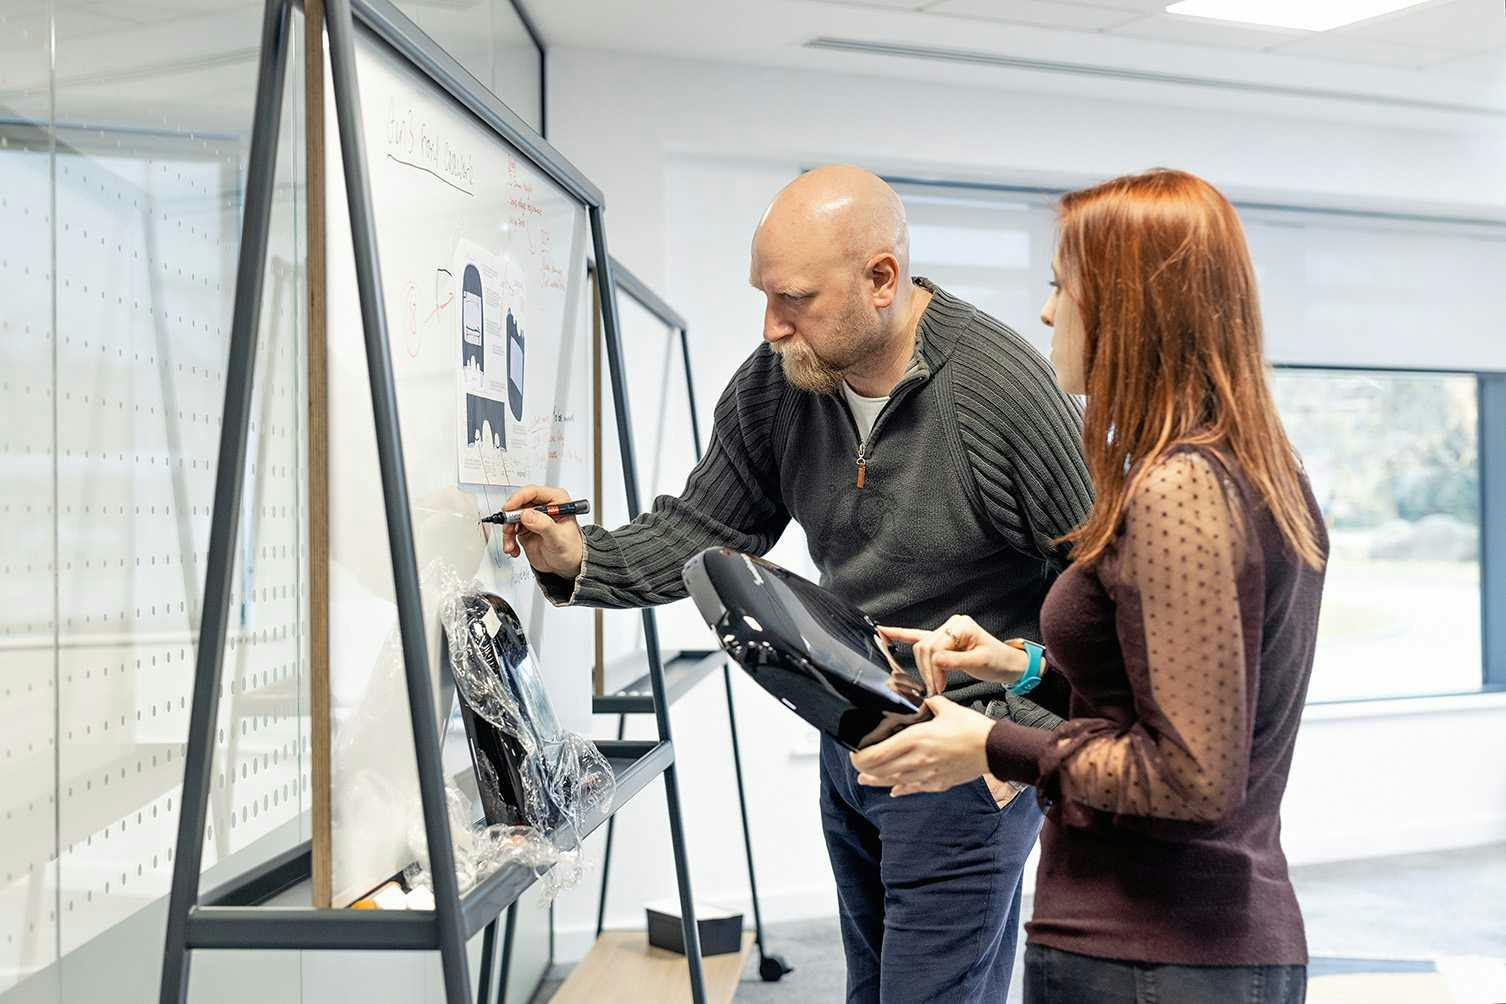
(1394, 461)
(1409, 465)
(992, 249)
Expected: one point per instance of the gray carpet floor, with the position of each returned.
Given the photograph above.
(1411, 908)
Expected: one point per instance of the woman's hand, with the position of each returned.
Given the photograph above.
(947, 750)
(960, 644)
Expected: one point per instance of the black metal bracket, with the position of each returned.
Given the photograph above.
(228, 917)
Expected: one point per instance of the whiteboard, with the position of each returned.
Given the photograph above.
(483, 269)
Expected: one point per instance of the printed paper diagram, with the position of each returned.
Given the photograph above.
(494, 448)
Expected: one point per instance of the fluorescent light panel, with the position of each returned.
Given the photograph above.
(1302, 15)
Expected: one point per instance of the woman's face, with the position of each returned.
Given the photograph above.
(1062, 316)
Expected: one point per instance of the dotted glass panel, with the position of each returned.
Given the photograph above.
(28, 735)
(153, 114)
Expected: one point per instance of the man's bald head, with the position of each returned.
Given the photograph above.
(832, 257)
(836, 213)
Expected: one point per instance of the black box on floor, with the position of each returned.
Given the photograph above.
(721, 930)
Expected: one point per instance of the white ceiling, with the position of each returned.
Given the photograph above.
(1430, 34)
(195, 57)
(1427, 35)
(1439, 50)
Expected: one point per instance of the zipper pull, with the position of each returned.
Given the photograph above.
(862, 468)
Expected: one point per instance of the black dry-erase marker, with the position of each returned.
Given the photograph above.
(555, 509)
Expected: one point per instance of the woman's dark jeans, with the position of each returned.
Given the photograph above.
(1056, 977)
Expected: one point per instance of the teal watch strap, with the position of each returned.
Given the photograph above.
(1032, 676)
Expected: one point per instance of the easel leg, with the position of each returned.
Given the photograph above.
(606, 860)
(488, 947)
(198, 761)
(770, 967)
(507, 938)
(692, 933)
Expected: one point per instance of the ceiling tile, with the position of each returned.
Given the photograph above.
(1045, 13)
(1360, 50)
(1465, 25)
(1199, 31)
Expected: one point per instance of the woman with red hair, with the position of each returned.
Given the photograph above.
(1178, 644)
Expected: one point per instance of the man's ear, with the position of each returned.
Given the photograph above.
(883, 276)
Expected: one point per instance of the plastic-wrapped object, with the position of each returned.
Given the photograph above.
(531, 771)
(539, 784)
(478, 853)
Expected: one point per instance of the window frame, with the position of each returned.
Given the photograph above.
(1492, 447)
(538, 43)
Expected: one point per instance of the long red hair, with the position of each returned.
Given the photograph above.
(1160, 270)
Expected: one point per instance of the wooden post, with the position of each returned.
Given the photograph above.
(318, 454)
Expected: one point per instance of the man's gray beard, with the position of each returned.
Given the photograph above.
(809, 372)
(806, 371)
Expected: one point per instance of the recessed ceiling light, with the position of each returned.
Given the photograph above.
(1303, 15)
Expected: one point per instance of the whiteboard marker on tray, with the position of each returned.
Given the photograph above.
(554, 510)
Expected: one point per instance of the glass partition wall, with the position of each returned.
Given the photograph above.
(124, 135)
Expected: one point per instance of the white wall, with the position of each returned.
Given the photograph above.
(689, 153)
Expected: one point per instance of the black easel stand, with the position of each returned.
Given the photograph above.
(228, 917)
(771, 968)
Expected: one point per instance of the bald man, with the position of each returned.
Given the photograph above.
(931, 459)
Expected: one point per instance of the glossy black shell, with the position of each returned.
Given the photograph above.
(819, 655)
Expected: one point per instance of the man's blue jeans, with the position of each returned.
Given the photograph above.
(928, 886)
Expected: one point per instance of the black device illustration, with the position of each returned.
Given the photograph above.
(470, 319)
(514, 367)
(482, 414)
(821, 656)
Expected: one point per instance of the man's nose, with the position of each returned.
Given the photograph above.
(775, 328)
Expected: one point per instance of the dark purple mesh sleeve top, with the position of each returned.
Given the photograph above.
(1188, 646)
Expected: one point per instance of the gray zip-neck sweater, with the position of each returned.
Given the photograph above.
(949, 506)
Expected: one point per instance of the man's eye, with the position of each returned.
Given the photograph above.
(792, 297)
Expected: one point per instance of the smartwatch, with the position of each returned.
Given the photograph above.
(1032, 675)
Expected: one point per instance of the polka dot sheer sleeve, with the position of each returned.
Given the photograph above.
(1173, 575)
